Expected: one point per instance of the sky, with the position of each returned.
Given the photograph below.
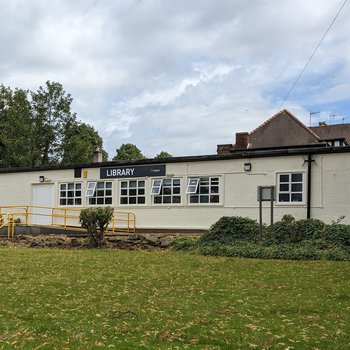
(180, 76)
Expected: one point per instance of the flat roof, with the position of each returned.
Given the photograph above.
(239, 154)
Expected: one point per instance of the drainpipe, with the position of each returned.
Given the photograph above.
(309, 177)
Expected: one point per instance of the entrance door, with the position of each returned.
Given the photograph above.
(42, 196)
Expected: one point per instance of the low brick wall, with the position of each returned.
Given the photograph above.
(147, 241)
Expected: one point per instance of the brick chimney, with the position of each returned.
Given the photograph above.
(97, 156)
(242, 140)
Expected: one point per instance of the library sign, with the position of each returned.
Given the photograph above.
(132, 171)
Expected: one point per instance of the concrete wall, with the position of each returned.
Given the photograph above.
(238, 190)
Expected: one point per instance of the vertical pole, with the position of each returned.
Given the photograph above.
(309, 175)
(260, 210)
(271, 202)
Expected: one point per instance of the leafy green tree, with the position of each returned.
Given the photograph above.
(39, 128)
(79, 144)
(163, 155)
(16, 131)
(51, 107)
(128, 151)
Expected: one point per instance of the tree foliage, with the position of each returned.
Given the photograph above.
(39, 128)
(162, 155)
(80, 142)
(128, 151)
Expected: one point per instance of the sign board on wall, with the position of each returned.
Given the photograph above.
(132, 171)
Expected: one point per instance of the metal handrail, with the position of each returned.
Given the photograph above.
(126, 219)
(10, 223)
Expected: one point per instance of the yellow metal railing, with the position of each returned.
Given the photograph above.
(8, 220)
(67, 218)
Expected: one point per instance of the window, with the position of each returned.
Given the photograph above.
(70, 193)
(90, 190)
(203, 190)
(192, 185)
(156, 187)
(132, 192)
(166, 191)
(290, 187)
(99, 193)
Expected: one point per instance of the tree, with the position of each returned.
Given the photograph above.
(52, 114)
(38, 128)
(16, 131)
(80, 142)
(128, 151)
(163, 155)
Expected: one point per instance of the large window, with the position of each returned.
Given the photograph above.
(99, 192)
(70, 193)
(166, 191)
(203, 190)
(290, 187)
(132, 192)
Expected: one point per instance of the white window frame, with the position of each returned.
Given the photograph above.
(94, 188)
(290, 192)
(209, 194)
(136, 196)
(191, 185)
(90, 190)
(160, 195)
(156, 188)
(74, 190)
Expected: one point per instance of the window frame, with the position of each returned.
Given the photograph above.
(154, 186)
(95, 195)
(89, 189)
(189, 185)
(290, 192)
(74, 197)
(161, 195)
(210, 192)
(137, 195)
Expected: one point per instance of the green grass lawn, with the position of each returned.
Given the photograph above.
(89, 299)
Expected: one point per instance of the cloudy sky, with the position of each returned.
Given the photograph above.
(180, 76)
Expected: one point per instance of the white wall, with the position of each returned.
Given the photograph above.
(238, 190)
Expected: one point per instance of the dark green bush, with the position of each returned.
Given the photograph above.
(230, 229)
(282, 231)
(185, 244)
(290, 231)
(280, 251)
(338, 234)
(309, 229)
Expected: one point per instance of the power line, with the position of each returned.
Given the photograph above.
(307, 63)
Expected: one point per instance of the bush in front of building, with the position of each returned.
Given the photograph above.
(289, 230)
(338, 234)
(95, 221)
(288, 239)
(230, 229)
(276, 251)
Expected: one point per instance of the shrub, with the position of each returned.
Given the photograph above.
(309, 229)
(229, 229)
(282, 231)
(185, 244)
(290, 231)
(95, 221)
(338, 234)
(277, 251)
